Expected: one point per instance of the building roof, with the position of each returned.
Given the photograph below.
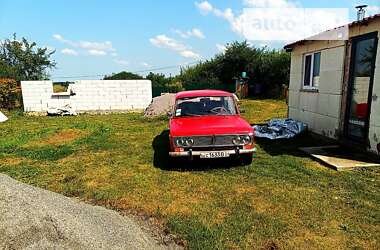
(206, 92)
(366, 20)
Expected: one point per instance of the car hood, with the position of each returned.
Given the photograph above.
(209, 125)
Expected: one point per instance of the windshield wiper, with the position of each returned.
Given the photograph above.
(190, 115)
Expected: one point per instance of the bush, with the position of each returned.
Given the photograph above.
(8, 93)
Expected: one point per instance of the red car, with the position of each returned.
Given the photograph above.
(207, 124)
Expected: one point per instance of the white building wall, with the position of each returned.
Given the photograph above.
(88, 95)
(374, 123)
(319, 109)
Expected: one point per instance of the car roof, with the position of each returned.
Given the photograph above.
(200, 93)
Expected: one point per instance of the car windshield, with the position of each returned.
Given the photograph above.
(209, 105)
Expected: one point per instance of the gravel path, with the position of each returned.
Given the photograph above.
(33, 218)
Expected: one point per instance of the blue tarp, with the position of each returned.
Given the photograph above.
(280, 129)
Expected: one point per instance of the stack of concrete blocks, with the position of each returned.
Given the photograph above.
(88, 95)
(36, 95)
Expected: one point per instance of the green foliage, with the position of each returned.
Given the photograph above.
(161, 84)
(268, 67)
(23, 60)
(124, 75)
(8, 93)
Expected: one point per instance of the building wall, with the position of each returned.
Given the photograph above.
(374, 124)
(319, 109)
(88, 95)
(322, 110)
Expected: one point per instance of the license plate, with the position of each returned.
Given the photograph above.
(214, 154)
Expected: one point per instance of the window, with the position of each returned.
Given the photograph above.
(312, 67)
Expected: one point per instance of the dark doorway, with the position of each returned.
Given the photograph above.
(362, 68)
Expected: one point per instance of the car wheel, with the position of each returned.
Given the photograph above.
(246, 159)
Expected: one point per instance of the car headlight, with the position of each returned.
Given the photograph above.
(236, 140)
(179, 142)
(189, 142)
(184, 142)
(242, 140)
(246, 139)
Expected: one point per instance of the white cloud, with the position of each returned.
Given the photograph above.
(58, 37)
(114, 54)
(68, 51)
(95, 52)
(105, 46)
(226, 14)
(270, 3)
(373, 9)
(189, 54)
(191, 33)
(147, 65)
(121, 62)
(204, 7)
(277, 21)
(162, 41)
(221, 47)
(92, 48)
(198, 33)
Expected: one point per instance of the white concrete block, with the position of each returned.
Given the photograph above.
(331, 82)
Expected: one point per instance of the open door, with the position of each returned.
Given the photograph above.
(362, 68)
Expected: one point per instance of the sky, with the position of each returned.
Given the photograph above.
(92, 38)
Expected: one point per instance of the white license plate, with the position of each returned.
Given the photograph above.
(214, 154)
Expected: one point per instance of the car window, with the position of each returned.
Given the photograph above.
(200, 106)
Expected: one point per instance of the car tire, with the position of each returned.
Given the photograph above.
(246, 159)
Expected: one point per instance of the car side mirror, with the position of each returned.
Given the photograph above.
(169, 113)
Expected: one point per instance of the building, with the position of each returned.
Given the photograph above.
(335, 85)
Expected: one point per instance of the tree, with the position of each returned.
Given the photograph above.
(267, 67)
(23, 60)
(162, 84)
(124, 75)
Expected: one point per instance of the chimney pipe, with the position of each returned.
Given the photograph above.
(361, 11)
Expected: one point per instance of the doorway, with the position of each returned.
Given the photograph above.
(360, 85)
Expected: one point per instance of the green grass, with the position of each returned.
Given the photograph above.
(282, 200)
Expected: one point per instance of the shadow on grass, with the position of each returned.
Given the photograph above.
(290, 146)
(162, 160)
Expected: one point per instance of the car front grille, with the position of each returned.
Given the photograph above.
(213, 140)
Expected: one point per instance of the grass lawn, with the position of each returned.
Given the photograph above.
(282, 200)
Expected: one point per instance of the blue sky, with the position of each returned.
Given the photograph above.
(100, 37)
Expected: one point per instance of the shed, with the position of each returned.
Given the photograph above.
(335, 85)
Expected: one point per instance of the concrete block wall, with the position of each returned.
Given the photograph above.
(36, 95)
(88, 95)
(319, 109)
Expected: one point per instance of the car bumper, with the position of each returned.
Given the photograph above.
(198, 153)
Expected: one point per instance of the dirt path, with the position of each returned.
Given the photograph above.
(33, 218)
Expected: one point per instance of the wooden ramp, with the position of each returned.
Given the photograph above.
(340, 158)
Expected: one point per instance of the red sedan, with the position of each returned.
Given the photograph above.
(207, 124)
